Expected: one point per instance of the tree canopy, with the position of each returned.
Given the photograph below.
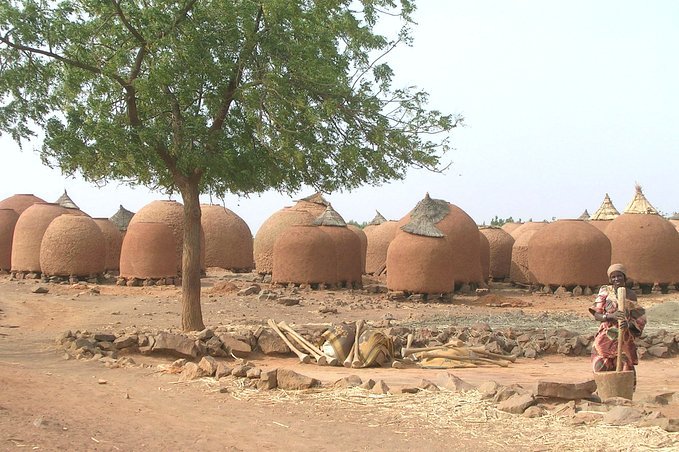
(218, 96)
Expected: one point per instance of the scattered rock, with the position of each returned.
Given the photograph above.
(223, 370)
(268, 380)
(488, 389)
(191, 371)
(456, 384)
(349, 381)
(368, 384)
(254, 373)
(238, 347)
(251, 290)
(176, 344)
(271, 343)
(291, 380)
(427, 385)
(288, 301)
(534, 411)
(622, 415)
(241, 370)
(380, 387)
(209, 365)
(40, 289)
(570, 391)
(517, 403)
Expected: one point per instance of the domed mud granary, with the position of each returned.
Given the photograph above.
(648, 246)
(500, 243)
(113, 239)
(73, 245)
(364, 243)
(20, 202)
(304, 255)
(28, 234)
(519, 271)
(304, 212)
(509, 227)
(419, 260)
(569, 253)
(348, 247)
(462, 234)
(228, 239)
(122, 218)
(172, 214)
(8, 220)
(379, 237)
(148, 252)
(484, 251)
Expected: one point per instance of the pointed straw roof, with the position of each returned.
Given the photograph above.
(606, 211)
(584, 216)
(379, 219)
(640, 204)
(422, 225)
(65, 201)
(316, 198)
(122, 218)
(434, 209)
(330, 218)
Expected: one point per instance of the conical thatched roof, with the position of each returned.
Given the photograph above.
(65, 201)
(584, 216)
(640, 204)
(316, 198)
(379, 219)
(422, 225)
(606, 211)
(122, 218)
(330, 218)
(434, 209)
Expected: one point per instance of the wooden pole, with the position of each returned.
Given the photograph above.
(622, 306)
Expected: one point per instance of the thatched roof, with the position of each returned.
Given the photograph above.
(422, 225)
(379, 219)
(65, 201)
(330, 218)
(316, 198)
(606, 211)
(122, 218)
(434, 209)
(584, 216)
(640, 204)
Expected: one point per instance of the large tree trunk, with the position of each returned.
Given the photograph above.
(192, 316)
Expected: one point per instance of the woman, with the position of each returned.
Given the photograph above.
(605, 310)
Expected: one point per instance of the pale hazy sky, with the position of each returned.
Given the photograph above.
(564, 101)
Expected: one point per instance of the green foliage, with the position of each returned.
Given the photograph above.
(227, 96)
(496, 221)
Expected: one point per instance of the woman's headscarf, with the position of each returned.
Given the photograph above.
(617, 268)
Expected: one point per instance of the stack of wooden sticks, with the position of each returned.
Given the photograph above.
(454, 354)
(308, 352)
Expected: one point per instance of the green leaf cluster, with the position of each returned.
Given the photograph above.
(236, 96)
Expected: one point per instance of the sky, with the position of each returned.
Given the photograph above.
(564, 101)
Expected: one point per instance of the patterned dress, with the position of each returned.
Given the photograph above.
(605, 349)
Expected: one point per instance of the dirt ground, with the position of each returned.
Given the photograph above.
(50, 403)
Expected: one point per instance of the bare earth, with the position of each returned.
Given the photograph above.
(50, 403)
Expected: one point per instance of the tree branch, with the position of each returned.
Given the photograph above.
(235, 80)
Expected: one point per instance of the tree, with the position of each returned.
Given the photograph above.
(221, 96)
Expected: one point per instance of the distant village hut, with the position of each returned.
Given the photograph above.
(172, 214)
(419, 260)
(228, 239)
(28, 234)
(113, 239)
(604, 214)
(364, 243)
(379, 237)
(122, 218)
(66, 202)
(584, 216)
(304, 212)
(8, 220)
(484, 251)
(500, 243)
(20, 202)
(646, 243)
(462, 233)
(519, 271)
(569, 253)
(347, 245)
(73, 246)
(305, 254)
(511, 226)
(148, 252)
